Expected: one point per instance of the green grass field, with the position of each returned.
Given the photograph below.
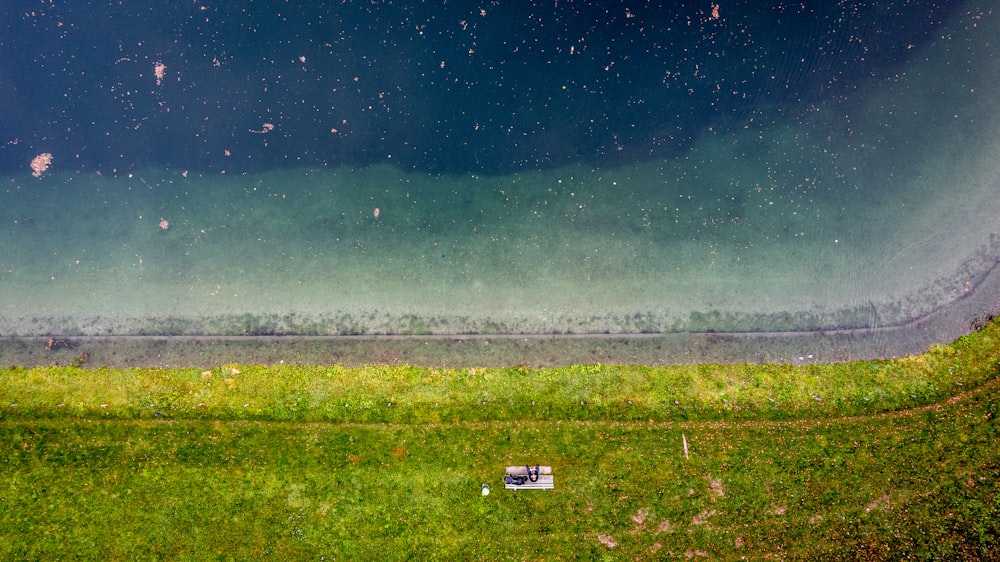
(867, 460)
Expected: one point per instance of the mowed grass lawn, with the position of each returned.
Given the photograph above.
(869, 460)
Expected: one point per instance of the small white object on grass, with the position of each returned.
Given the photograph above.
(685, 439)
(486, 489)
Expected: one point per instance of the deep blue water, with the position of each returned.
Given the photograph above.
(432, 86)
(453, 168)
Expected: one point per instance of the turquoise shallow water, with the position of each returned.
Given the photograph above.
(868, 210)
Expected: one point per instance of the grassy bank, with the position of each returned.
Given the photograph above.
(871, 460)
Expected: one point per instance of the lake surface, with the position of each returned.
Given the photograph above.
(553, 168)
